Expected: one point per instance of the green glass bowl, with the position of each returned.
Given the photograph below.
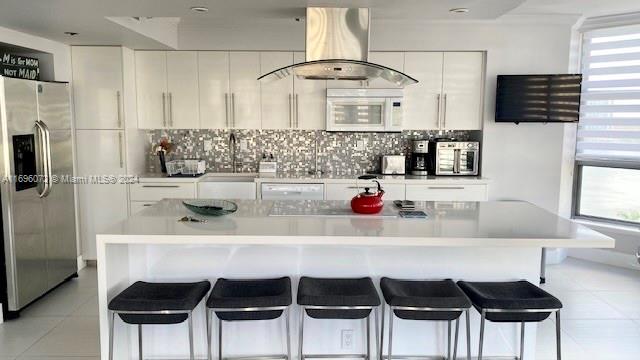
(210, 207)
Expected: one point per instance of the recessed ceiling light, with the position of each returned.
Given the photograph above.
(460, 10)
(200, 9)
(70, 33)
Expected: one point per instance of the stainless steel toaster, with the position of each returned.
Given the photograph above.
(392, 164)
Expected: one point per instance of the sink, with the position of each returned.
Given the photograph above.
(229, 177)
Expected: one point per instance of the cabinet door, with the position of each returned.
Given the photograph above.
(444, 192)
(227, 190)
(137, 206)
(244, 69)
(213, 73)
(100, 205)
(462, 90)
(277, 96)
(348, 191)
(394, 60)
(151, 89)
(97, 87)
(182, 85)
(422, 100)
(310, 100)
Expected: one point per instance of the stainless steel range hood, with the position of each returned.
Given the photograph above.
(337, 48)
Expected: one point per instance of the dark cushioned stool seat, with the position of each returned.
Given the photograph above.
(337, 292)
(146, 296)
(433, 294)
(515, 295)
(250, 293)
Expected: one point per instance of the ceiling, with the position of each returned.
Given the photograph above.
(51, 18)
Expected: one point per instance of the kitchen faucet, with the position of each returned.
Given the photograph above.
(232, 151)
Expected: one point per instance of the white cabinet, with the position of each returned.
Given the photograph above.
(348, 191)
(422, 100)
(390, 59)
(213, 79)
(447, 192)
(156, 191)
(310, 100)
(99, 205)
(227, 190)
(462, 90)
(167, 89)
(182, 87)
(244, 69)
(277, 99)
(137, 206)
(97, 87)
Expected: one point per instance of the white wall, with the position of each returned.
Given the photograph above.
(523, 161)
(61, 52)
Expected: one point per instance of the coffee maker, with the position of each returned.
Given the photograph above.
(420, 157)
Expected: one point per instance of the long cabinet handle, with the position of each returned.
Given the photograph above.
(444, 112)
(160, 186)
(233, 110)
(120, 150)
(438, 112)
(290, 111)
(445, 187)
(119, 106)
(171, 109)
(164, 109)
(297, 112)
(226, 109)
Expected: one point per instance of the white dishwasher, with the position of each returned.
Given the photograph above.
(271, 191)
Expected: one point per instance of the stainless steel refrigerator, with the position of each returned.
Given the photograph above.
(38, 213)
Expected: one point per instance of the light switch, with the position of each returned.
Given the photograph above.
(243, 145)
(208, 145)
(361, 145)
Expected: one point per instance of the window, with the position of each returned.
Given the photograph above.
(608, 146)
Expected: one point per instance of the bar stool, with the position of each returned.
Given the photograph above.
(251, 299)
(425, 300)
(331, 298)
(145, 303)
(513, 302)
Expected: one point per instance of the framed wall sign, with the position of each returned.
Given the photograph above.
(18, 66)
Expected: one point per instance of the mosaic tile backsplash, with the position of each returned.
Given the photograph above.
(297, 151)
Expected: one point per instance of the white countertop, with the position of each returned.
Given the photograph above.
(450, 224)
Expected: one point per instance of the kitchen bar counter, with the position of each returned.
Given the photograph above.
(475, 241)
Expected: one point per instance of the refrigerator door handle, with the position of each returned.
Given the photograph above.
(49, 175)
(41, 159)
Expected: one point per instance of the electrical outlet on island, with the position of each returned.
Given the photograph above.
(347, 339)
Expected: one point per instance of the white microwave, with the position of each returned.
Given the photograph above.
(375, 110)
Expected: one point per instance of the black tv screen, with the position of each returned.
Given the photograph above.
(538, 98)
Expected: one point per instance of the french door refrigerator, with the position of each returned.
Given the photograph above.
(38, 207)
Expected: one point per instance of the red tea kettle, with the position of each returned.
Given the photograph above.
(368, 202)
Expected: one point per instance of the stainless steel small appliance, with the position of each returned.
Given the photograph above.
(454, 157)
(420, 157)
(392, 164)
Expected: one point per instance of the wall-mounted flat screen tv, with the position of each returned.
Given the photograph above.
(538, 98)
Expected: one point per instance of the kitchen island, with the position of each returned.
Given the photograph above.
(476, 241)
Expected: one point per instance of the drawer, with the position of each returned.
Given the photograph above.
(227, 190)
(159, 191)
(348, 191)
(446, 192)
(137, 206)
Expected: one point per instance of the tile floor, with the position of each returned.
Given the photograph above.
(601, 319)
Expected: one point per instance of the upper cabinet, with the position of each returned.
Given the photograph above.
(391, 59)
(97, 87)
(167, 89)
(213, 76)
(309, 100)
(244, 69)
(462, 90)
(277, 98)
(422, 100)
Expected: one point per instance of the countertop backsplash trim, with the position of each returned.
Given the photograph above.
(296, 151)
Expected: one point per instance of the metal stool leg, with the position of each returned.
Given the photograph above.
(288, 333)
(112, 318)
(376, 329)
(367, 322)
(140, 342)
(301, 334)
(468, 334)
(208, 313)
(219, 339)
(522, 340)
(390, 332)
(455, 341)
(449, 340)
(482, 320)
(558, 338)
(190, 324)
(380, 350)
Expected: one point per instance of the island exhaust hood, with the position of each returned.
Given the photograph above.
(337, 48)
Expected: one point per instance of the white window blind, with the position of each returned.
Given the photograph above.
(609, 127)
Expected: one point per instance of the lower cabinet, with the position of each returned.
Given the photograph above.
(150, 191)
(348, 191)
(227, 190)
(447, 192)
(137, 206)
